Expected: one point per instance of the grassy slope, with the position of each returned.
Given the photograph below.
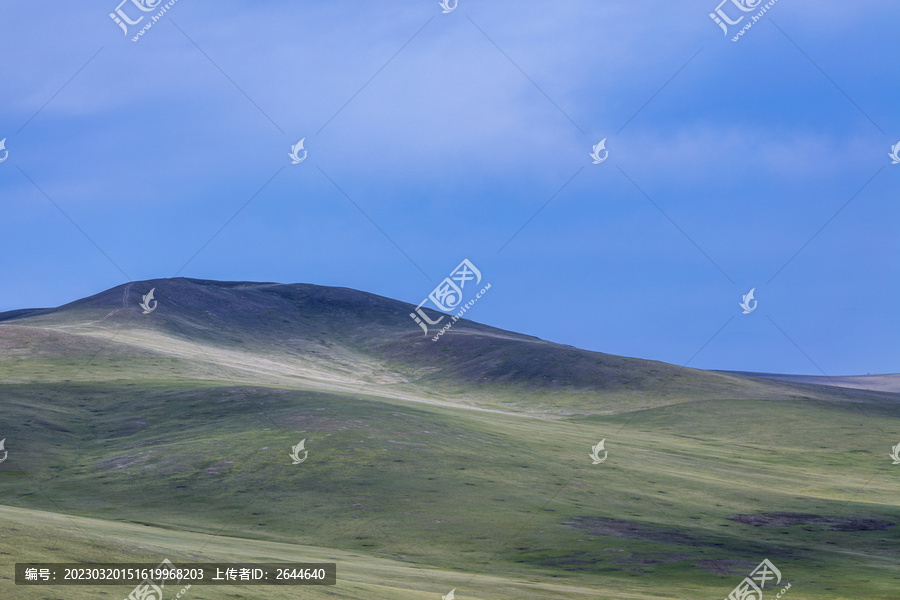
(144, 435)
(52, 536)
(338, 339)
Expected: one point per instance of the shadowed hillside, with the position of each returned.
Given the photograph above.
(462, 463)
(323, 336)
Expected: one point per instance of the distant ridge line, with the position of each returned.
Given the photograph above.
(881, 382)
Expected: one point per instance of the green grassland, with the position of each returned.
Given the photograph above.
(457, 464)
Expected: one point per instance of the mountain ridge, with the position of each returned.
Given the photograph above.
(325, 336)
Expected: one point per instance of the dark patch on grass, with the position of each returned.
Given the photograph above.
(632, 530)
(785, 519)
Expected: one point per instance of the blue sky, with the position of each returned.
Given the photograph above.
(435, 137)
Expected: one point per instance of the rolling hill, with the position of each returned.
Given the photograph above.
(462, 463)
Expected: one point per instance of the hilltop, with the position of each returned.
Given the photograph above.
(337, 338)
(461, 463)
